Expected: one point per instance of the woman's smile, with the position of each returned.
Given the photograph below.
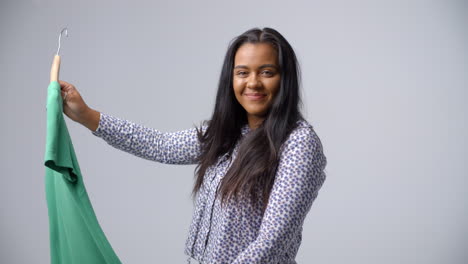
(255, 96)
(256, 79)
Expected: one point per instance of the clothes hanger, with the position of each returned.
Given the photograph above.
(54, 71)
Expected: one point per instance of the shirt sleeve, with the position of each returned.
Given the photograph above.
(180, 147)
(299, 177)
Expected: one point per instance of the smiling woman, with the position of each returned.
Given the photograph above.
(260, 164)
(256, 80)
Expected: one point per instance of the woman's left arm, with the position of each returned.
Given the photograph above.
(298, 179)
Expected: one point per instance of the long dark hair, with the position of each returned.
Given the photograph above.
(253, 171)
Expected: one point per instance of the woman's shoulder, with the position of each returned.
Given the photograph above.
(303, 133)
(303, 123)
(303, 144)
(303, 126)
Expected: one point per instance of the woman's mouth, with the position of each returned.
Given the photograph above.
(253, 96)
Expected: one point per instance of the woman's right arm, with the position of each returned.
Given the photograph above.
(180, 147)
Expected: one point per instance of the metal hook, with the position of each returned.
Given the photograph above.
(60, 36)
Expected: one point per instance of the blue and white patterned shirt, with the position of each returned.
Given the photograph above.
(237, 233)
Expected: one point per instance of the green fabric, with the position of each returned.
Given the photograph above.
(75, 234)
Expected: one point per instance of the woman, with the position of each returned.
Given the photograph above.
(260, 163)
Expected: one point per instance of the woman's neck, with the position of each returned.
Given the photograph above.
(254, 121)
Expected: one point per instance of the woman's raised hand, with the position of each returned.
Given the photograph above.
(75, 107)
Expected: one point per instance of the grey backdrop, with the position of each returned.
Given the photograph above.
(385, 86)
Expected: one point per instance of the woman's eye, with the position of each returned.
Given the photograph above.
(244, 73)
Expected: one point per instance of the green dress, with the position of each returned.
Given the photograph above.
(75, 234)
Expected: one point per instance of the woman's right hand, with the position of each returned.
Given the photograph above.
(75, 107)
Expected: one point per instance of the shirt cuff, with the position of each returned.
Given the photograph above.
(102, 120)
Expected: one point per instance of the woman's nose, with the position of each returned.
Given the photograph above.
(253, 81)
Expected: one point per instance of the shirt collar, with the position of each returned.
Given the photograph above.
(245, 129)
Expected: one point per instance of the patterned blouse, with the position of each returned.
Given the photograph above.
(237, 233)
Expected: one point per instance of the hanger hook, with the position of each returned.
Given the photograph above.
(60, 36)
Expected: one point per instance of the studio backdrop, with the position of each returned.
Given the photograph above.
(384, 86)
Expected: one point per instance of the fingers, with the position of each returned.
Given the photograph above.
(64, 95)
(66, 89)
(65, 86)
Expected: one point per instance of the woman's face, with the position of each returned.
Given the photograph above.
(256, 79)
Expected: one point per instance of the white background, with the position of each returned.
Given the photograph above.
(384, 84)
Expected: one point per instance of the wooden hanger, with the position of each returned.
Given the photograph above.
(54, 71)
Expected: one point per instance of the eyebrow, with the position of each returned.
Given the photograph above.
(261, 67)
